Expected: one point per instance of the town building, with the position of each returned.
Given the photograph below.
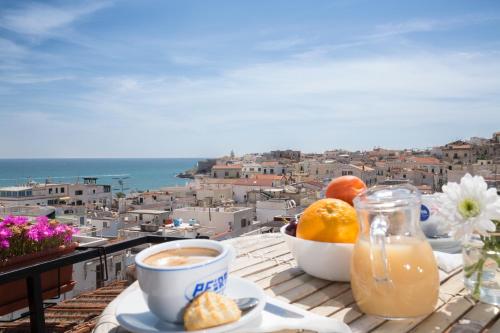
(88, 193)
(236, 220)
(459, 152)
(267, 210)
(227, 171)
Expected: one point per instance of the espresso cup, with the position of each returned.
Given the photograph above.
(167, 290)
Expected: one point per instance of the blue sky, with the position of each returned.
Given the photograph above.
(199, 78)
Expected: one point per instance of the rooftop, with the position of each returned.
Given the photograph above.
(15, 188)
(424, 160)
(77, 315)
(216, 209)
(270, 163)
(148, 211)
(225, 167)
(254, 182)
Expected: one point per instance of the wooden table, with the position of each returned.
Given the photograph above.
(266, 260)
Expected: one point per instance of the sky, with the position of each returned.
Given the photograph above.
(201, 78)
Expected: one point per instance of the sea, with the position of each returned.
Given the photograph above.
(123, 174)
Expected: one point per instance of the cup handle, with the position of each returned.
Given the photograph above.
(231, 252)
(378, 230)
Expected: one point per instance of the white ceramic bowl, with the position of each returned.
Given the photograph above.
(329, 261)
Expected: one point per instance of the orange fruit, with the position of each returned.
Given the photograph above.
(329, 220)
(345, 188)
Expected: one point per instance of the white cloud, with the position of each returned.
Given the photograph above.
(279, 44)
(41, 20)
(188, 60)
(32, 79)
(426, 24)
(265, 106)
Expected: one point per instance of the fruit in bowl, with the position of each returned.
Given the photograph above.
(345, 188)
(325, 237)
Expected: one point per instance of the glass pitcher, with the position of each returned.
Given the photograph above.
(394, 274)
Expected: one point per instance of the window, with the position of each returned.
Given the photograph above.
(271, 171)
(99, 276)
(79, 192)
(258, 169)
(226, 174)
(465, 155)
(404, 176)
(243, 223)
(93, 191)
(50, 191)
(455, 155)
(105, 224)
(215, 175)
(62, 190)
(118, 268)
(57, 190)
(107, 188)
(346, 173)
(237, 175)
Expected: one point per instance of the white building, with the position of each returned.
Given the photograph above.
(273, 168)
(89, 193)
(222, 219)
(227, 171)
(267, 210)
(243, 186)
(158, 217)
(249, 170)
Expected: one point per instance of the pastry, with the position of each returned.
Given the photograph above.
(210, 309)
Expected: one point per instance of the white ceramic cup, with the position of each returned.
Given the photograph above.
(167, 290)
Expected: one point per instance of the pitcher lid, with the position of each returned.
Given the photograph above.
(388, 196)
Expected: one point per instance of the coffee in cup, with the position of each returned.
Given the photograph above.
(182, 256)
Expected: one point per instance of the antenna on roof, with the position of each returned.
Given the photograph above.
(121, 184)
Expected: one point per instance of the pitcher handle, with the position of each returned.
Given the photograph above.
(378, 230)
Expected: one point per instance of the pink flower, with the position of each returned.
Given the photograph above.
(4, 244)
(15, 220)
(42, 219)
(60, 229)
(5, 233)
(33, 234)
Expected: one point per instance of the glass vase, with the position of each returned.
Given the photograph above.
(481, 257)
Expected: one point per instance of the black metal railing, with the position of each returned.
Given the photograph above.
(32, 272)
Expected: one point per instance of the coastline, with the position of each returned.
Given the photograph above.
(137, 174)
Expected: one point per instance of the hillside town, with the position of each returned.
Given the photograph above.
(231, 195)
(234, 195)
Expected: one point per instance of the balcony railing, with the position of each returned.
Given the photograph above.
(31, 273)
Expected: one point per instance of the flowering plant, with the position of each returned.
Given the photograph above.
(20, 236)
(471, 212)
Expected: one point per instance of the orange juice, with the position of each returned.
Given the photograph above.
(412, 287)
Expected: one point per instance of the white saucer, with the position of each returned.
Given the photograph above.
(448, 245)
(133, 313)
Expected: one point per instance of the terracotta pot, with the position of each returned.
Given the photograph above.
(14, 293)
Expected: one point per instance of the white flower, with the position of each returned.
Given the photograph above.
(469, 207)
